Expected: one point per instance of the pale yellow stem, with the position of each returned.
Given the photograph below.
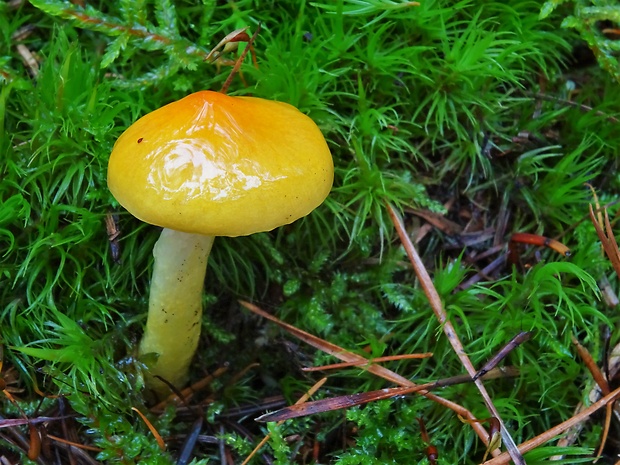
(175, 305)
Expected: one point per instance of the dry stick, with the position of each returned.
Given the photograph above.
(603, 385)
(499, 356)
(74, 444)
(448, 329)
(377, 370)
(152, 429)
(608, 239)
(599, 210)
(12, 422)
(301, 400)
(351, 400)
(610, 246)
(387, 358)
(556, 430)
(592, 367)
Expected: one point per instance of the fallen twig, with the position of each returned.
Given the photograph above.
(352, 400)
(607, 238)
(435, 302)
(377, 370)
(300, 401)
(556, 430)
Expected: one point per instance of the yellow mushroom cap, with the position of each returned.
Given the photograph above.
(223, 166)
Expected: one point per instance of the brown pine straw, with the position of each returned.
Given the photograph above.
(435, 301)
(351, 400)
(601, 381)
(377, 370)
(74, 444)
(558, 429)
(301, 400)
(387, 358)
(608, 240)
(152, 429)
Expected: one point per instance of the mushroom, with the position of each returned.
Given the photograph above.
(204, 166)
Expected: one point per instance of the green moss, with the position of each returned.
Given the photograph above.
(468, 109)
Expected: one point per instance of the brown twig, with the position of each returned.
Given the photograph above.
(591, 365)
(484, 273)
(608, 240)
(352, 400)
(387, 358)
(152, 429)
(300, 401)
(556, 430)
(377, 370)
(75, 444)
(435, 301)
(603, 384)
(519, 339)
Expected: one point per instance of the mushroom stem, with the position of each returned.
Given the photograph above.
(175, 305)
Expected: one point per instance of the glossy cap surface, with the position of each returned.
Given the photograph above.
(223, 166)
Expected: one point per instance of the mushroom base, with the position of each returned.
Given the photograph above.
(175, 306)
